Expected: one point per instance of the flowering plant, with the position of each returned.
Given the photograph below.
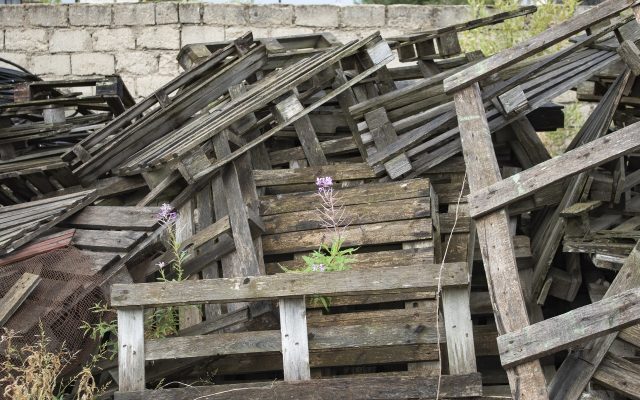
(329, 257)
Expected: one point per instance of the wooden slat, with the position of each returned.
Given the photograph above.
(131, 349)
(568, 329)
(116, 218)
(106, 240)
(394, 210)
(357, 388)
(380, 280)
(294, 340)
(18, 293)
(355, 235)
(529, 47)
(308, 175)
(40, 246)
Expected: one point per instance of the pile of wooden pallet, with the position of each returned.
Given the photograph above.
(484, 268)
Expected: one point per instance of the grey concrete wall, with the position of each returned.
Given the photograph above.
(140, 41)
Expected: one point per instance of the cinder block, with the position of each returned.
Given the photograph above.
(145, 85)
(166, 13)
(416, 17)
(21, 59)
(201, 34)
(12, 15)
(113, 39)
(70, 40)
(92, 64)
(363, 16)
(26, 40)
(134, 14)
(167, 64)
(225, 14)
(290, 31)
(270, 15)
(190, 13)
(90, 15)
(56, 64)
(47, 15)
(317, 15)
(159, 37)
(136, 62)
(234, 32)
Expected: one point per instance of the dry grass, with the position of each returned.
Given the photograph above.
(34, 373)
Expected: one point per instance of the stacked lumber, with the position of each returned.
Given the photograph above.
(483, 267)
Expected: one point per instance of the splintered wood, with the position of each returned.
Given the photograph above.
(294, 218)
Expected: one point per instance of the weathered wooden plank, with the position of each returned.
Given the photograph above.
(527, 380)
(16, 295)
(360, 214)
(568, 329)
(546, 39)
(619, 375)
(293, 335)
(355, 235)
(39, 246)
(585, 157)
(379, 280)
(308, 175)
(115, 218)
(130, 349)
(370, 193)
(356, 388)
(369, 336)
(106, 240)
(579, 366)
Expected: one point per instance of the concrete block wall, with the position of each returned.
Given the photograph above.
(140, 41)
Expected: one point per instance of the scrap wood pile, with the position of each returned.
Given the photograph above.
(319, 224)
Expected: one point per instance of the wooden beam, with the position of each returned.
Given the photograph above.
(534, 45)
(353, 388)
(507, 191)
(380, 280)
(568, 329)
(619, 375)
(498, 254)
(16, 295)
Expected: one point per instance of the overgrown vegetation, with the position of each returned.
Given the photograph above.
(34, 373)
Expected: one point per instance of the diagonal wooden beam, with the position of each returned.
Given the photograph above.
(504, 192)
(498, 254)
(568, 329)
(534, 45)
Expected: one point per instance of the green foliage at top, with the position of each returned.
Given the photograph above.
(492, 39)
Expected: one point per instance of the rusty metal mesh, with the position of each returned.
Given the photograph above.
(60, 302)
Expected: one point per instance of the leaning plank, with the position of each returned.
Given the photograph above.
(543, 41)
(17, 295)
(381, 280)
(576, 370)
(356, 388)
(564, 331)
(498, 254)
(587, 156)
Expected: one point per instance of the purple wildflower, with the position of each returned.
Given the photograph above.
(166, 213)
(324, 183)
(161, 264)
(318, 267)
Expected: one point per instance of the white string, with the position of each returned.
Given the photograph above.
(439, 290)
